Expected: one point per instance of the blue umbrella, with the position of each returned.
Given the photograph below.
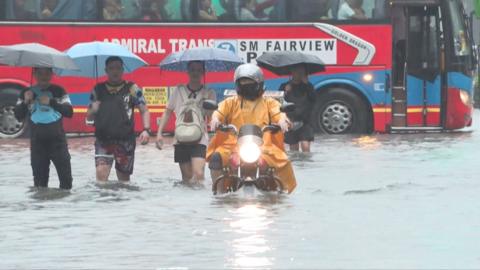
(216, 60)
(90, 58)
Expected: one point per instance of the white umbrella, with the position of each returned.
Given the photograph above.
(35, 55)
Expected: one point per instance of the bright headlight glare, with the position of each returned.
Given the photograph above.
(368, 77)
(465, 97)
(250, 152)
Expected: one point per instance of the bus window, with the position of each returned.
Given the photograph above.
(144, 10)
(261, 10)
(22, 10)
(359, 9)
(3, 10)
(206, 11)
(216, 10)
(66, 10)
(461, 46)
(423, 44)
(50, 10)
(310, 10)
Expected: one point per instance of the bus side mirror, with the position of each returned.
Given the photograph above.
(210, 105)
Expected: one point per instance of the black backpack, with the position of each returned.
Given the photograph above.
(111, 120)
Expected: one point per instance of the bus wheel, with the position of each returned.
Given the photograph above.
(340, 111)
(10, 127)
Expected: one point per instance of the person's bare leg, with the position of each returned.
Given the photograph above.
(186, 170)
(294, 147)
(123, 177)
(103, 171)
(305, 146)
(198, 170)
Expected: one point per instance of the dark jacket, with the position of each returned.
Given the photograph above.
(303, 96)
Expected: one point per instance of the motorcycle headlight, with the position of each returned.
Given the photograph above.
(250, 152)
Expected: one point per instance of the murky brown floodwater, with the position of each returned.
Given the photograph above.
(383, 201)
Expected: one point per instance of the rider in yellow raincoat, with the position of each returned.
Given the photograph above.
(250, 107)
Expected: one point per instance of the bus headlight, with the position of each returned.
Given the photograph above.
(250, 152)
(465, 97)
(368, 77)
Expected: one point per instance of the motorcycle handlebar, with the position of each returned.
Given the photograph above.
(271, 128)
(232, 128)
(227, 128)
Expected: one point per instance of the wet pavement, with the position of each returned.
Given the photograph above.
(380, 201)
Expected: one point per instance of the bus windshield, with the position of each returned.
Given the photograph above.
(462, 46)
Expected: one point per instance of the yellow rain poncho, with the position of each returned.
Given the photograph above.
(261, 112)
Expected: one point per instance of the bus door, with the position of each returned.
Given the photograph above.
(423, 75)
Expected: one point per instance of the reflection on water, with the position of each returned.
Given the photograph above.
(378, 201)
(249, 223)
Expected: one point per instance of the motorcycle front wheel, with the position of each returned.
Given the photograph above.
(226, 184)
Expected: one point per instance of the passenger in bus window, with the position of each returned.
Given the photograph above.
(20, 12)
(112, 10)
(48, 6)
(352, 9)
(65, 10)
(247, 10)
(262, 7)
(310, 10)
(154, 10)
(231, 10)
(206, 12)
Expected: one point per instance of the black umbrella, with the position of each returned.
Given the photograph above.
(281, 63)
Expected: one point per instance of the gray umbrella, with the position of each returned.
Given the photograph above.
(35, 55)
(281, 63)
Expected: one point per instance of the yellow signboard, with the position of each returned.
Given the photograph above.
(156, 95)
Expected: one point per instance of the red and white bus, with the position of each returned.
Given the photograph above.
(396, 65)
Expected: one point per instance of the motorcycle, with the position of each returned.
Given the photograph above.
(245, 168)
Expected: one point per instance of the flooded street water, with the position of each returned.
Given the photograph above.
(382, 201)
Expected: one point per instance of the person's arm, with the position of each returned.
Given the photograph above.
(172, 101)
(64, 106)
(161, 127)
(276, 116)
(143, 108)
(141, 104)
(93, 107)
(220, 115)
(359, 15)
(213, 97)
(21, 108)
(205, 16)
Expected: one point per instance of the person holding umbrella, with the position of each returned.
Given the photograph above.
(189, 155)
(112, 105)
(191, 133)
(111, 109)
(298, 90)
(47, 104)
(44, 105)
